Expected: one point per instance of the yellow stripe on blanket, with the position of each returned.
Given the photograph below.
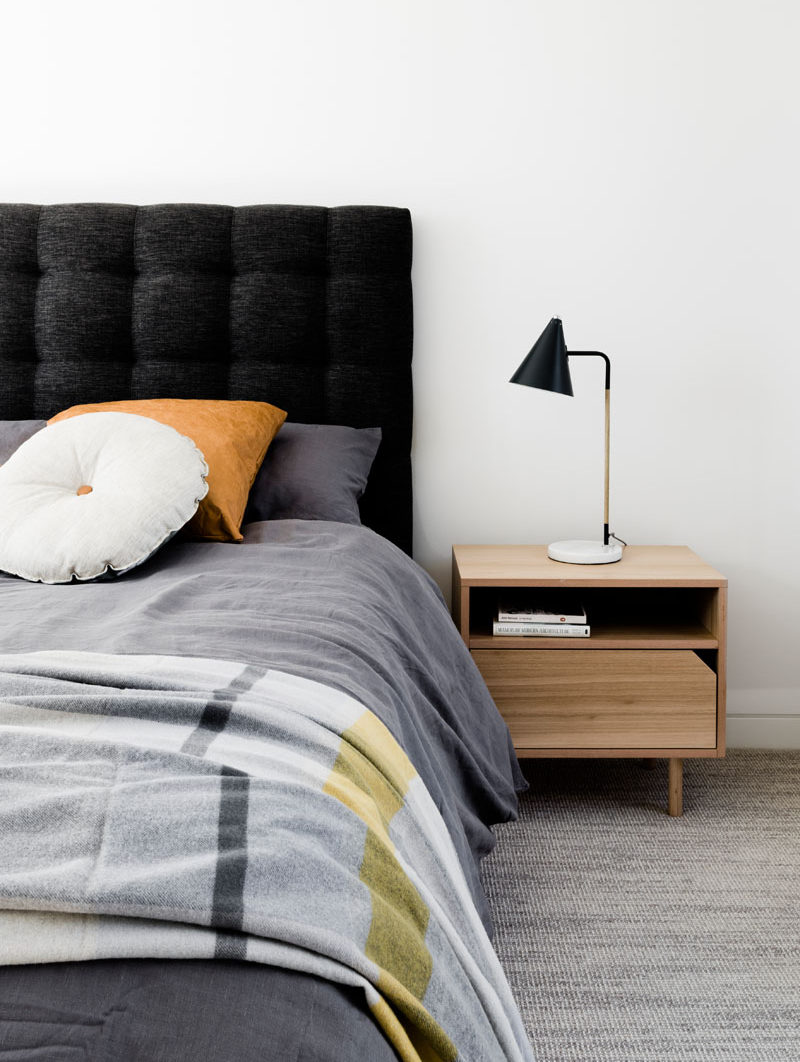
(371, 776)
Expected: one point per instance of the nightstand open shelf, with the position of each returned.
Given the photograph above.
(649, 682)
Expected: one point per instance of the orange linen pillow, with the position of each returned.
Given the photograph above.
(233, 437)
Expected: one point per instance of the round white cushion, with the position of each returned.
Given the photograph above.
(146, 481)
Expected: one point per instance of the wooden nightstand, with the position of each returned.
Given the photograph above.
(650, 680)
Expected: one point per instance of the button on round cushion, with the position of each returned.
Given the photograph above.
(94, 494)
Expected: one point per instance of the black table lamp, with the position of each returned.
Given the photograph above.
(547, 367)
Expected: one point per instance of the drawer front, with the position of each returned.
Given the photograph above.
(603, 699)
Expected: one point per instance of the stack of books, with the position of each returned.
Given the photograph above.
(562, 618)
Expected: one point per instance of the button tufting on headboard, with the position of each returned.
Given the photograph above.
(305, 307)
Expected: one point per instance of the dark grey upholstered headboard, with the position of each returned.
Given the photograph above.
(305, 307)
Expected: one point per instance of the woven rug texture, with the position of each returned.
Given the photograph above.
(630, 936)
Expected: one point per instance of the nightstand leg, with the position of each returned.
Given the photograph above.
(675, 786)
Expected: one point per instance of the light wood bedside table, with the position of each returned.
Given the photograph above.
(649, 682)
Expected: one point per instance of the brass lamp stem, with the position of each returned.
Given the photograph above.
(598, 354)
(608, 435)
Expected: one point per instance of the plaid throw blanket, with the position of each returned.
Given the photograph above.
(153, 806)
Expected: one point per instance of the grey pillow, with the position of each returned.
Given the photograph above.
(13, 433)
(314, 472)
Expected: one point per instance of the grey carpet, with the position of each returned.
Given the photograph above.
(628, 936)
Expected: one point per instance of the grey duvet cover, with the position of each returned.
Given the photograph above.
(330, 602)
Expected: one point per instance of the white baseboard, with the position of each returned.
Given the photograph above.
(763, 718)
(763, 732)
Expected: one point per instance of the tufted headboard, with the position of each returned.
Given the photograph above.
(305, 307)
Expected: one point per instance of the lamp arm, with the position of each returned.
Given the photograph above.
(606, 359)
(594, 354)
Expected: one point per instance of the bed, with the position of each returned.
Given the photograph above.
(169, 889)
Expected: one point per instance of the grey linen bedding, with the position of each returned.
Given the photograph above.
(149, 1010)
(327, 601)
(332, 603)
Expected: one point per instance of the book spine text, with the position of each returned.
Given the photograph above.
(542, 630)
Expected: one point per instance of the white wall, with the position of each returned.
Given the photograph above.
(630, 165)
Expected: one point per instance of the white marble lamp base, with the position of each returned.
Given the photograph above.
(581, 551)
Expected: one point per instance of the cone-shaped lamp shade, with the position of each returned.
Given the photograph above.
(546, 366)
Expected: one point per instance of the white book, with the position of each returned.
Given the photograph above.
(566, 611)
(542, 630)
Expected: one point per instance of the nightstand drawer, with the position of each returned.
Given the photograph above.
(603, 699)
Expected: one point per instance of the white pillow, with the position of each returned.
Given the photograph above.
(96, 492)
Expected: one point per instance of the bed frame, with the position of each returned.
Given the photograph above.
(305, 307)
